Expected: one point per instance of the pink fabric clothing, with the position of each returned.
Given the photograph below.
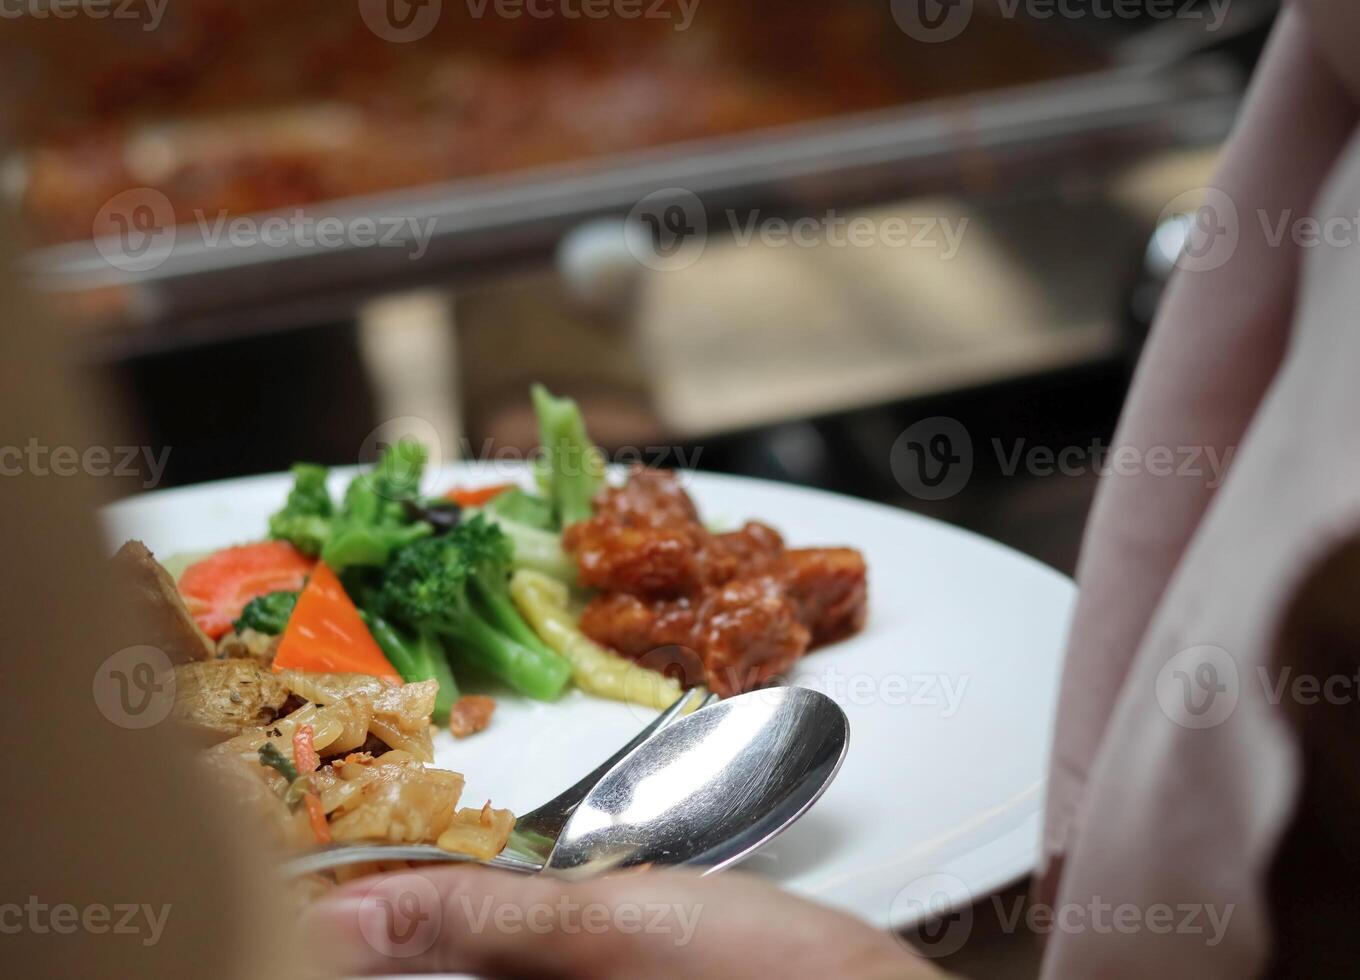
(1183, 583)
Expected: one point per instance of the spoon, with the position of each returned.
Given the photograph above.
(535, 833)
(711, 788)
(705, 791)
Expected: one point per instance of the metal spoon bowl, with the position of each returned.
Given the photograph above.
(709, 789)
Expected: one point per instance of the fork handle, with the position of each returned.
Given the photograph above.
(337, 857)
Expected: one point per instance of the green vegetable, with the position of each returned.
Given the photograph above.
(523, 508)
(267, 613)
(574, 465)
(372, 521)
(417, 657)
(271, 756)
(297, 784)
(305, 520)
(544, 602)
(534, 548)
(456, 587)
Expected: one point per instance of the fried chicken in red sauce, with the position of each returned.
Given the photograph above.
(748, 634)
(744, 604)
(830, 587)
(635, 626)
(644, 539)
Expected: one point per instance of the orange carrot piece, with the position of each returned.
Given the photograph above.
(305, 756)
(476, 496)
(317, 818)
(217, 588)
(325, 634)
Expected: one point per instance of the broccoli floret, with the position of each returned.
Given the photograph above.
(372, 521)
(267, 613)
(397, 476)
(456, 586)
(575, 466)
(305, 520)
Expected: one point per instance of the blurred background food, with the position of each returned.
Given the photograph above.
(612, 205)
(247, 107)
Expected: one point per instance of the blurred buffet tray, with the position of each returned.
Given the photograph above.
(994, 137)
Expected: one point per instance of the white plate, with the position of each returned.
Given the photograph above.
(950, 692)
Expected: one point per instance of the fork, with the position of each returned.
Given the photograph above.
(535, 833)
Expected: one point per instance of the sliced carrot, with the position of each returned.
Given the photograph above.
(217, 588)
(326, 636)
(305, 757)
(316, 816)
(476, 496)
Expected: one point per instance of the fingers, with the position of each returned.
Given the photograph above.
(470, 919)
